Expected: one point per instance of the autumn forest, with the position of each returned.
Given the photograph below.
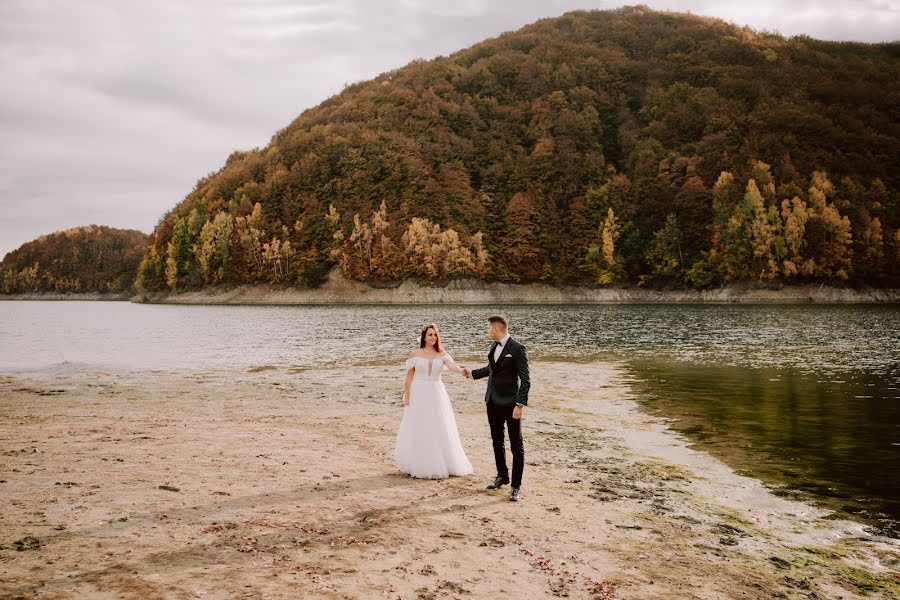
(624, 147)
(78, 260)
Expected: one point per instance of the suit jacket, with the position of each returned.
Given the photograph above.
(508, 379)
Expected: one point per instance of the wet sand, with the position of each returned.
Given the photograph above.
(279, 483)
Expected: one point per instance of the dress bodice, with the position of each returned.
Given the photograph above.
(427, 369)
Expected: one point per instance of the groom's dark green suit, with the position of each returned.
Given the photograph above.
(508, 378)
(508, 385)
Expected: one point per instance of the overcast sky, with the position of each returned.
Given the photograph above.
(111, 110)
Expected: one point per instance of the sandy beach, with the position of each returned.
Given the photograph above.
(280, 483)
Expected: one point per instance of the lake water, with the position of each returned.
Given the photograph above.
(805, 397)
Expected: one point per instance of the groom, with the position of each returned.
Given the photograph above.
(506, 396)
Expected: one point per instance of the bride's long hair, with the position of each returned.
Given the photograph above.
(438, 346)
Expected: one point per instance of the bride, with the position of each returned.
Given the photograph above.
(428, 445)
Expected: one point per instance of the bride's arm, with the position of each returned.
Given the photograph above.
(451, 364)
(409, 377)
(410, 373)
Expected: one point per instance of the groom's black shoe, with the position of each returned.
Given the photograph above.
(501, 480)
(514, 495)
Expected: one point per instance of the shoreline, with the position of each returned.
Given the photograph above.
(414, 294)
(340, 290)
(70, 297)
(270, 483)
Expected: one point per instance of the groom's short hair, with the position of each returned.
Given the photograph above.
(499, 319)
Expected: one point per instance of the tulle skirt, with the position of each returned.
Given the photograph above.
(428, 444)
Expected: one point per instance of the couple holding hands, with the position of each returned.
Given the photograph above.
(428, 444)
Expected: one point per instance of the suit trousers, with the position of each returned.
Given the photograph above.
(497, 417)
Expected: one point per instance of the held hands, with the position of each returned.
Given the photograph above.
(466, 373)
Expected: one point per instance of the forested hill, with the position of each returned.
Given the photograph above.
(625, 146)
(83, 259)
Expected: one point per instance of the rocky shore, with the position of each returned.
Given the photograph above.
(340, 290)
(61, 296)
(279, 483)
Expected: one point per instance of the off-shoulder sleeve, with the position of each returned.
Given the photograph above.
(410, 364)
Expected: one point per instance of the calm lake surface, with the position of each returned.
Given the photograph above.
(807, 398)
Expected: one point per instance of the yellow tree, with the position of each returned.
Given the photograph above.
(333, 221)
(602, 257)
(416, 248)
(383, 249)
(761, 173)
(872, 243)
(828, 234)
(609, 234)
(794, 214)
(428, 252)
(761, 231)
(287, 250)
(480, 254)
(251, 235)
(272, 252)
(455, 258)
(151, 271)
(368, 251)
(211, 248)
(355, 258)
(733, 215)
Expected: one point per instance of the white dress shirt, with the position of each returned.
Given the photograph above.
(498, 352)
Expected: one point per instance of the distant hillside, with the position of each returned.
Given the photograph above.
(625, 146)
(83, 259)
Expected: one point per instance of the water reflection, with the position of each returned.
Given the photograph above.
(832, 437)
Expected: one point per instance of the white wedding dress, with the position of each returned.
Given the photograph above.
(428, 445)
